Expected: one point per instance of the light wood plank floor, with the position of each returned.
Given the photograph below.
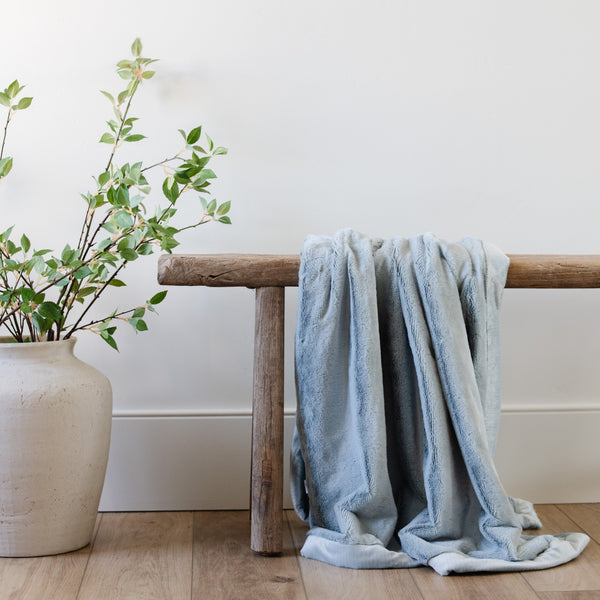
(206, 555)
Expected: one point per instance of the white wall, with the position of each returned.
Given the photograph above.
(461, 118)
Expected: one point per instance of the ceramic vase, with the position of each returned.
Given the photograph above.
(55, 420)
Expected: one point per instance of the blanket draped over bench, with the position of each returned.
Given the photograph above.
(398, 378)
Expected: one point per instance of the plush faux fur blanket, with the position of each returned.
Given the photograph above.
(398, 378)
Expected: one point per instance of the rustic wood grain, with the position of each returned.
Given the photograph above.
(325, 582)
(583, 573)
(553, 271)
(229, 270)
(258, 270)
(152, 556)
(46, 577)
(267, 422)
(587, 517)
(140, 556)
(579, 595)
(480, 586)
(225, 567)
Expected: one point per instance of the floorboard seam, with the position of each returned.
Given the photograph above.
(296, 553)
(87, 562)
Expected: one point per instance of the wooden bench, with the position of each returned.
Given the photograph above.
(269, 275)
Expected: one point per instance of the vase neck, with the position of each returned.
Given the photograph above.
(49, 351)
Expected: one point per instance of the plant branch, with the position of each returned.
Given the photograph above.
(84, 244)
(202, 221)
(5, 130)
(162, 162)
(97, 293)
(118, 136)
(115, 316)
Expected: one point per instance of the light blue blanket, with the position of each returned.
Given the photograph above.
(398, 377)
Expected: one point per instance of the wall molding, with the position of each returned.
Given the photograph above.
(178, 413)
(181, 459)
(550, 408)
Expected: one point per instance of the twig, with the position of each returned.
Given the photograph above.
(5, 130)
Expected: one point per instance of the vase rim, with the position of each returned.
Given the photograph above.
(7, 340)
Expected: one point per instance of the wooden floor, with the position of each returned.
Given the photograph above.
(205, 555)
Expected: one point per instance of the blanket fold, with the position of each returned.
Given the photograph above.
(398, 379)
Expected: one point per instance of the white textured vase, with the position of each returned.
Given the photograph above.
(55, 419)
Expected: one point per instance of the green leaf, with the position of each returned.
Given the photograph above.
(125, 74)
(109, 96)
(111, 195)
(136, 47)
(86, 291)
(109, 257)
(5, 166)
(148, 74)
(223, 209)
(139, 312)
(27, 294)
(145, 249)
(128, 254)
(49, 310)
(123, 219)
(103, 178)
(122, 195)
(225, 220)
(4, 99)
(141, 325)
(25, 243)
(37, 263)
(109, 340)
(105, 243)
(97, 201)
(200, 162)
(126, 242)
(210, 144)
(117, 283)
(13, 89)
(219, 150)
(40, 323)
(208, 174)
(82, 272)
(7, 233)
(24, 103)
(194, 135)
(107, 138)
(136, 137)
(171, 192)
(68, 254)
(158, 298)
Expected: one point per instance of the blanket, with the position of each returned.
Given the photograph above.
(398, 381)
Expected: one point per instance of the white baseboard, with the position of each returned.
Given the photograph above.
(180, 460)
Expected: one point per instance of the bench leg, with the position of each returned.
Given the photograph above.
(266, 506)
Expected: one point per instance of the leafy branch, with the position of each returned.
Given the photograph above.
(46, 296)
(8, 98)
